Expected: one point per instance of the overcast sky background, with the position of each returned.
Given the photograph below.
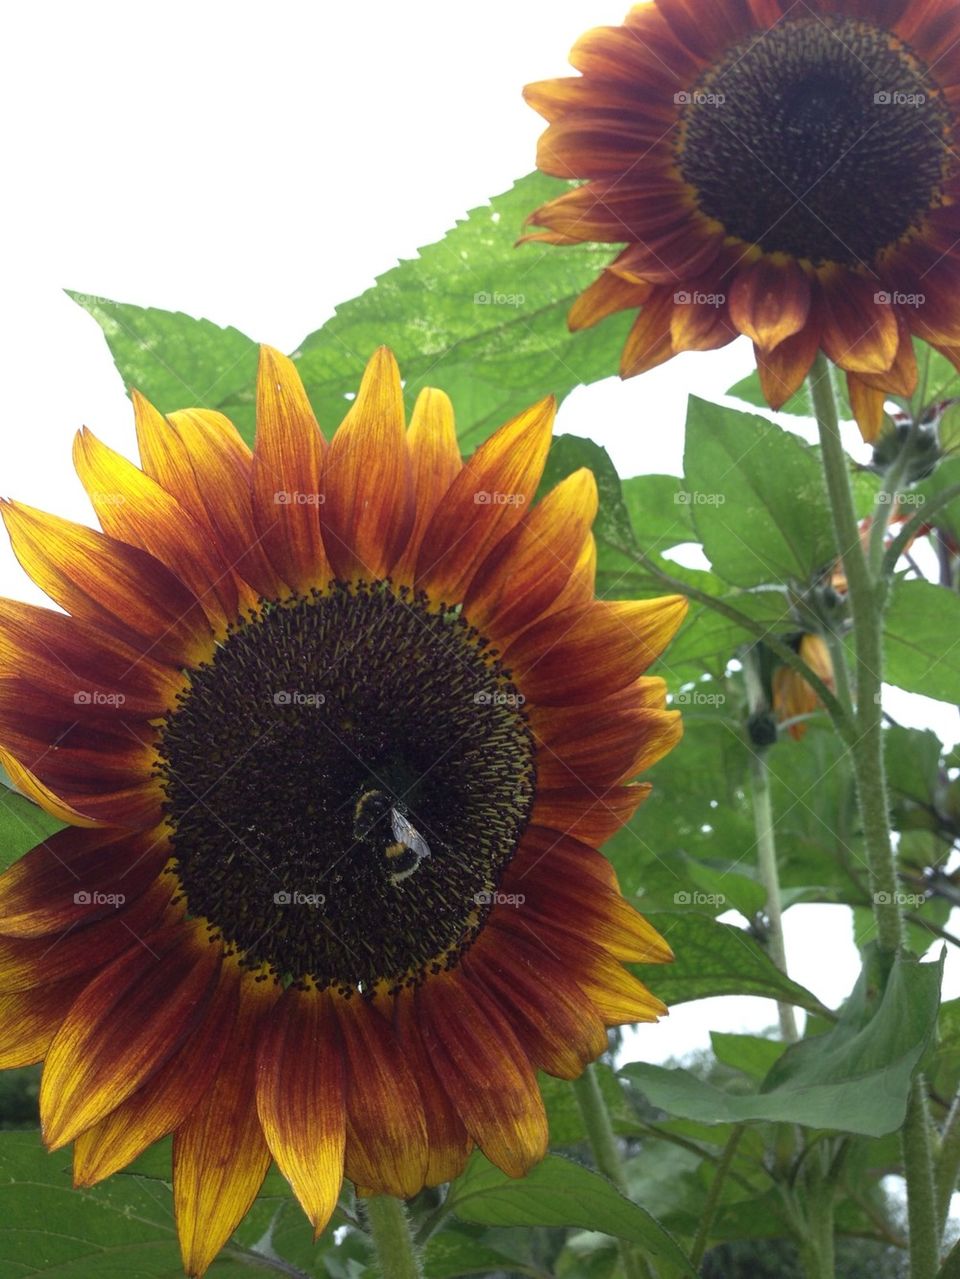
(257, 165)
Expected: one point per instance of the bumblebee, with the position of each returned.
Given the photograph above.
(374, 814)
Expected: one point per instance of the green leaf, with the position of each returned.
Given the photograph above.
(124, 1228)
(855, 1078)
(659, 512)
(921, 629)
(178, 362)
(23, 825)
(757, 497)
(473, 314)
(716, 959)
(476, 316)
(751, 1054)
(451, 1253)
(559, 1193)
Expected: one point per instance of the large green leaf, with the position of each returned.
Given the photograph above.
(716, 959)
(124, 1228)
(560, 1193)
(175, 360)
(476, 316)
(855, 1078)
(922, 626)
(757, 496)
(472, 314)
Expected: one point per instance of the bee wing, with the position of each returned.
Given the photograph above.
(404, 832)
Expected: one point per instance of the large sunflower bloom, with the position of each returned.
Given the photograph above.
(779, 169)
(336, 730)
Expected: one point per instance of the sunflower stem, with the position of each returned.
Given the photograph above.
(922, 1214)
(606, 1153)
(770, 878)
(766, 845)
(390, 1231)
(713, 1198)
(948, 1163)
(866, 596)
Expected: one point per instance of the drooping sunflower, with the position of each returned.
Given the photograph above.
(336, 730)
(781, 169)
(793, 697)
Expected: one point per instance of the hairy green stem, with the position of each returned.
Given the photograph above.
(713, 1198)
(867, 588)
(948, 1163)
(606, 1153)
(390, 1231)
(925, 1229)
(866, 605)
(770, 878)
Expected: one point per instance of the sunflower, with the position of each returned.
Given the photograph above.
(793, 697)
(336, 731)
(778, 169)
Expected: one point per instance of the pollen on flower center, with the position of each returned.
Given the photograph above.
(346, 781)
(824, 138)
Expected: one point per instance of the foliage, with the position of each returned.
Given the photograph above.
(732, 1140)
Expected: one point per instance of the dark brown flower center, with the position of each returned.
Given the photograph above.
(824, 138)
(346, 781)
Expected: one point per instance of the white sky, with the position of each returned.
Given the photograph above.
(256, 164)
